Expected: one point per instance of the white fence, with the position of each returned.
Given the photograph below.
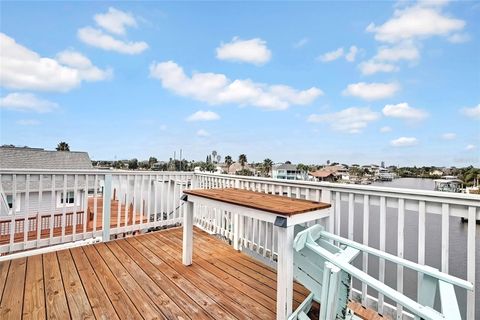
(52, 207)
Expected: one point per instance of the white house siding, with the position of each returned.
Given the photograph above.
(47, 206)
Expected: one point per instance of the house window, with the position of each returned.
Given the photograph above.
(10, 202)
(67, 201)
(70, 198)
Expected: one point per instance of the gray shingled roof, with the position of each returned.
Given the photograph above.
(29, 158)
(286, 166)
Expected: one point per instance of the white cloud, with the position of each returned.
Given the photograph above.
(449, 136)
(371, 91)
(385, 129)
(371, 67)
(386, 56)
(26, 102)
(24, 69)
(459, 38)
(300, 43)
(351, 54)
(84, 66)
(203, 116)
(416, 22)
(252, 51)
(331, 56)
(470, 147)
(28, 122)
(351, 120)
(115, 21)
(473, 112)
(99, 39)
(402, 51)
(404, 142)
(216, 88)
(404, 111)
(202, 133)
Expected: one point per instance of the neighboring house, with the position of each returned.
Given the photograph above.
(323, 175)
(288, 171)
(330, 174)
(436, 172)
(236, 166)
(52, 195)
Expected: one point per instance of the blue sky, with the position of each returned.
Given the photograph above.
(354, 82)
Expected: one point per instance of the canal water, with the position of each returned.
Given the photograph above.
(458, 242)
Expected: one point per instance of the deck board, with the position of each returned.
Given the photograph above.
(101, 305)
(12, 299)
(143, 277)
(55, 299)
(4, 266)
(34, 299)
(77, 299)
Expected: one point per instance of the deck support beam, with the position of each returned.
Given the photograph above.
(107, 200)
(187, 233)
(285, 272)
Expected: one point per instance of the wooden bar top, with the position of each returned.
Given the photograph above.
(260, 201)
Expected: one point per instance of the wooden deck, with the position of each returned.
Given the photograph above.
(142, 277)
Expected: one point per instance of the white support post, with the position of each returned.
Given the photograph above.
(187, 233)
(326, 197)
(107, 200)
(285, 272)
(236, 231)
(471, 260)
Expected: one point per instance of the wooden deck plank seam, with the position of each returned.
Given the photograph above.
(81, 282)
(96, 279)
(103, 285)
(252, 294)
(136, 278)
(233, 265)
(118, 281)
(63, 285)
(154, 281)
(249, 280)
(197, 276)
(298, 289)
(192, 284)
(5, 282)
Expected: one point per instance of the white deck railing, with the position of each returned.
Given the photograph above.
(54, 207)
(111, 203)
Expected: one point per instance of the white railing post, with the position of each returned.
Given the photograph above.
(107, 200)
(471, 260)
(326, 197)
(236, 231)
(195, 178)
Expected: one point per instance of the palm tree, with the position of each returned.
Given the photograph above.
(214, 154)
(267, 166)
(228, 161)
(242, 159)
(63, 146)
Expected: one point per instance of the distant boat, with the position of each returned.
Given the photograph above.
(449, 184)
